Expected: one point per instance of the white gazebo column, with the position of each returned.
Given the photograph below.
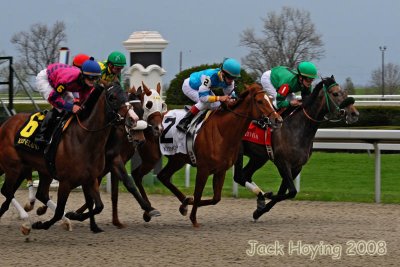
(145, 53)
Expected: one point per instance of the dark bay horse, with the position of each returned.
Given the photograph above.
(217, 145)
(80, 157)
(119, 139)
(292, 143)
(119, 150)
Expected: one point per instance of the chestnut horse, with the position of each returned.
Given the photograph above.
(80, 157)
(292, 143)
(217, 145)
(120, 150)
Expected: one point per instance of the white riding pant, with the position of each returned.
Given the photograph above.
(44, 88)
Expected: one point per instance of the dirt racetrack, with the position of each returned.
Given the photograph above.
(294, 233)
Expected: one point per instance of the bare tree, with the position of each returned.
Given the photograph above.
(392, 78)
(288, 38)
(39, 47)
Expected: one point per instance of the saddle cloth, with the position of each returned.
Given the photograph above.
(173, 141)
(25, 137)
(257, 135)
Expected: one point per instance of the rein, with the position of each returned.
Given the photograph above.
(117, 118)
(244, 115)
(328, 100)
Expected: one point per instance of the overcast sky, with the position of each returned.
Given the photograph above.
(206, 31)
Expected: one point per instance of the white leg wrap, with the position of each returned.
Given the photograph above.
(253, 187)
(31, 191)
(53, 207)
(22, 213)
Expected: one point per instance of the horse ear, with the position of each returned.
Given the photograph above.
(158, 88)
(146, 89)
(139, 91)
(132, 90)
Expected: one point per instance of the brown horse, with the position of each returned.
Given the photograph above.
(115, 164)
(119, 150)
(217, 145)
(80, 157)
(292, 143)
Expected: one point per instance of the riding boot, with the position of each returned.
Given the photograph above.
(42, 137)
(184, 122)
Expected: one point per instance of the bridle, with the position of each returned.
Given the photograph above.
(338, 111)
(263, 120)
(117, 118)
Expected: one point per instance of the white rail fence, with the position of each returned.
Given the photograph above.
(343, 139)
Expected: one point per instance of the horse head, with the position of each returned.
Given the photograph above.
(264, 112)
(154, 108)
(335, 103)
(121, 109)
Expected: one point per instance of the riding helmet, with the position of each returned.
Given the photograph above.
(91, 68)
(307, 69)
(117, 59)
(232, 67)
(79, 60)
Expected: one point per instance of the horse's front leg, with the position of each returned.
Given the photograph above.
(201, 180)
(64, 190)
(92, 194)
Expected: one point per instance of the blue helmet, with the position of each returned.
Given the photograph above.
(232, 67)
(91, 68)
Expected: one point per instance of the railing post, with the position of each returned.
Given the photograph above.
(377, 173)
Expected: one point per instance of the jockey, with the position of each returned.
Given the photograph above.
(281, 83)
(111, 68)
(198, 87)
(64, 78)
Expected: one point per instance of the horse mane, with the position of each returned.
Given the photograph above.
(327, 82)
(88, 105)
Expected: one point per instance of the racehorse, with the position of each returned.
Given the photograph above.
(119, 138)
(292, 143)
(80, 157)
(216, 146)
(119, 150)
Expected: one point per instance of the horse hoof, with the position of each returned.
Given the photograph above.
(28, 207)
(119, 225)
(41, 210)
(97, 230)
(183, 210)
(37, 225)
(256, 214)
(66, 225)
(146, 217)
(25, 229)
(154, 213)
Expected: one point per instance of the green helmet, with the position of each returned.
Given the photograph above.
(307, 69)
(117, 59)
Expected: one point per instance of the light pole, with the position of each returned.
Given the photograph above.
(383, 49)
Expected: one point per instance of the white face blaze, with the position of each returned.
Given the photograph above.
(131, 112)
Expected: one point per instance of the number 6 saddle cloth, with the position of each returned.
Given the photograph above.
(25, 137)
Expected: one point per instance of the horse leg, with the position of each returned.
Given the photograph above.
(201, 180)
(165, 175)
(286, 184)
(92, 194)
(42, 194)
(31, 195)
(120, 171)
(63, 192)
